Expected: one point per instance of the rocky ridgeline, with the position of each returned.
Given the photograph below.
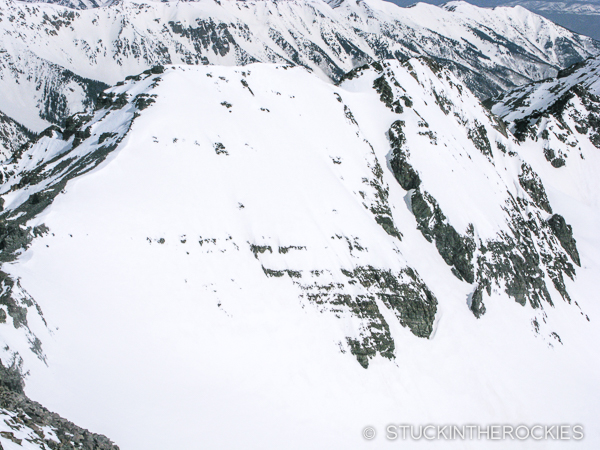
(39, 169)
(565, 121)
(27, 422)
(519, 260)
(126, 38)
(47, 178)
(13, 136)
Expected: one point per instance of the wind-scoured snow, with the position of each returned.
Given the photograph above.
(243, 248)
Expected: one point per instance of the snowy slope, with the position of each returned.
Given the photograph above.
(12, 136)
(251, 239)
(37, 93)
(490, 50)
(560, 118)
(539, 98)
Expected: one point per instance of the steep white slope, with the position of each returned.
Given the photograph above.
(558, 121)
(490, 50)
(581, 16)
(247, 248)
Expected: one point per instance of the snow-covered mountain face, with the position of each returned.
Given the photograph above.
(307, 231)
(580, 16)
(590, 7)
(75, 4)
(219, 239)
(560, 118)
(13, 135)
(555, 98)
(50, 54)
(36, 93)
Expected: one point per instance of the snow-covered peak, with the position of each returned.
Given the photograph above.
(293, 212)
(490, 50)
(262, 226)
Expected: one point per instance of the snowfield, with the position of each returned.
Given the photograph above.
(207, 284)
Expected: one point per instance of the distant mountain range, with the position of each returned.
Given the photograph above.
(60, 59)
(579, 16)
